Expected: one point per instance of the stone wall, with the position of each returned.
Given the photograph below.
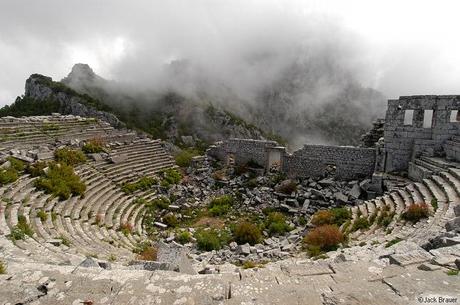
(242, 150)
(406, 140)
(316, 160)
(310, 161)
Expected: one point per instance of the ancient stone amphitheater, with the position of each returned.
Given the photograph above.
(79, 255)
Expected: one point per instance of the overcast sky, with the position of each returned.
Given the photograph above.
(398, 47)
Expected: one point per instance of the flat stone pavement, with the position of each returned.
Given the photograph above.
(292, 281)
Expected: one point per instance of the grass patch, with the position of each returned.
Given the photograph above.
(126, 229)
(65, 241)
(145, 251)
(221, 205)
(171, 220)
(360, 224)
(393, 242)
(21, 230)
(93, 146)
(170, 177)
(2, 267)
(143, 184)
(185, 156)
(452, 272)
(434, 204)
(183, 237)
(276, 223)
(42, 215)
(211, 239)
(8, 176)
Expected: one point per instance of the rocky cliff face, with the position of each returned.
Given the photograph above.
(41, 88)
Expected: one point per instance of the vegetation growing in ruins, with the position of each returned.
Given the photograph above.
(49, 127)
(21, 230)
(415, 212)
(60, 181)
(211, 239)
(323, 238)
(12, 173)
(393, 242)
(2, 267)
(247, 232)
(70, 157)
(126, 229)
(361, 223)
(146, 251)
(93, 146)
(160, 203)
(287, 187)
(16, 164)
(65, 241)
(221, 205)
(36, 169)
(185, 156)
(452, 272)
(170, 220)
(183, 237)
(337, 216)
(276, 223)
(42, 215)
(434, 204)
(170, 177)
(143, 184)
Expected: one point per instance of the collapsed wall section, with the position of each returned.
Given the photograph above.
(343, 162)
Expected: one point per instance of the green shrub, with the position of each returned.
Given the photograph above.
(36, 169)
(42, 215)
(160, 203)
(385, 218)
(360, 224)
(69, 156)
(171, 220)
(247, 232)
(65, 241)
(323, 238)
(21, 229)
(61, 181)
(16, 164)
(220, 205)
(185, 156)
(170, 176)
(93, 146)
(143, 184)
(8, 176)
(145, 251)
(276, 223)
(434, 204)
(415, 212)
(183, 237)
(452, 272)
(211, 239)
(249, 264)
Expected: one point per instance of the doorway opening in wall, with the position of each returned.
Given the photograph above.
(274, 160)
(330, 170)
(408, 117)
(428, 118)
(454, 116)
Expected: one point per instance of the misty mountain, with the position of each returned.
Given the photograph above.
(311, 101)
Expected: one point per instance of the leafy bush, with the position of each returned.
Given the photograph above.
(36, 169)
(183, 237)
(325, 238)
(143, 184)
(276, 223)
(61, 181)
(145, 251)
(211, 239)
(16, 164)
(8, 176)
(415, 212)
(360, 224)
(185, 156)
(170, 176)
(336, 216)
(69, 156)
(93, 146)
(247, 232)
(21, 229)
(171, 220)
(220, 205)
(161, 203)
